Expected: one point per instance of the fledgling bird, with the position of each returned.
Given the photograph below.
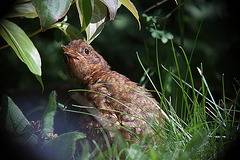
(119, 100)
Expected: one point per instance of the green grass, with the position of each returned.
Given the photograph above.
(202, 130)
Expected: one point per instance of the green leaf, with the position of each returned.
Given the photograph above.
(48, 115)
(112, 7)
(40, 81)
(63, 147)
(50, 11)
(130, 6)
(195, 144)
(84, 8)
(97, 22)
(23, 10)
(135, 152)
(23, 46)
(13, 120)
(69, 30)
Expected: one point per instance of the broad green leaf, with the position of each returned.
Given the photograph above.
(195, 144)
(85, 154)
(63, 147)
(73, 33)
(112, 7)
(94, 29)
(135, 152)
(48, 115)
(84, 8)
(50, 11)
(23, 46)
(13, 120)
(96, 24)
(130, 6)
(69, 30)
(23, 10)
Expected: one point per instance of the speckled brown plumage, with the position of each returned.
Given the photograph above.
(121, 101)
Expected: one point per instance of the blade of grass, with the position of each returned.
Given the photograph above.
(224, 97)
(152, 85)
(195, 102)
(158, 70)
(100, 117)
(96, 112)
(108, 144)
(210, 101)
(190, 74)
(179, 75)
(195, 41)
(213, 101)
(138, 116)
(168, 117)
(83, 90)
(235, 102)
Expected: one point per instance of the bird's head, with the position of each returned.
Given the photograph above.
(82, 60)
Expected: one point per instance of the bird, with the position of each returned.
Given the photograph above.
(120, 103)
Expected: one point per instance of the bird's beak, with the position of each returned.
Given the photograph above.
(69, 52)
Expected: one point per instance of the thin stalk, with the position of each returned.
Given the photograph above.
(181, 22)
(158, 93)
(190, 72)
(235, 102)
(224, 97)
(213, 101)
(159, 72)
(195, 42)
(179, 75)
(204, 93)
(195, 102)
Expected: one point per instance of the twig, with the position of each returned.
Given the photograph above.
(4, 46)
(30, 35)
(154, 6)
(22, 2)
(169, 14)
(158, 4)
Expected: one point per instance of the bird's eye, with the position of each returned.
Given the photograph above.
(86, 51)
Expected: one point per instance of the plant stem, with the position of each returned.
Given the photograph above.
(181, 22)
